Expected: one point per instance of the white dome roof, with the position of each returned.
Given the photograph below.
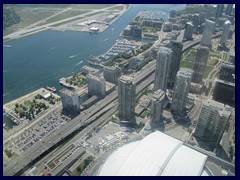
(156, 155)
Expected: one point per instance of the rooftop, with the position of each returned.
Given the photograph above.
(158, 95)
(185, 72)
(126, 79)
(67, 92)
(156, 155)
(165, 50)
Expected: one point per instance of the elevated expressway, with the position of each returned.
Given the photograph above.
(108, 105)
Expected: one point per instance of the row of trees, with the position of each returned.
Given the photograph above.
(10, 17)
(30, 109)
(77, 81)
(191, 10)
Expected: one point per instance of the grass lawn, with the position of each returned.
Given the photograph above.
(65, 15)
(207, 70)
(212, 61)
(91, 6)
(79, 169)
(191, 56)
(145, 114)
(30, 16)
(186, 64)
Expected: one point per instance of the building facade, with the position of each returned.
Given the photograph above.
(70, 101)
(224, 92)
(111, 74)
(161, 74)
(96, 85)
(212, 122)
(126, 101)
(174, 66)
(188, 32)
(157, 109)
(173, 14)
(226, 28)
(200, 64)
(219, 11)
(181, 90)
(227, 72)
(196, 22)
(207, 33)
(89, 70)
(225, 84)
(229, 9)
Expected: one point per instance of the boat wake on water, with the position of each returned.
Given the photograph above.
(80, 62)
(7, 45)
(70, 57)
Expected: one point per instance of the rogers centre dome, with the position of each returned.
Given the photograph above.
(156, 155)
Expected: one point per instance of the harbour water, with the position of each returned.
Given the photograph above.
(41, 59)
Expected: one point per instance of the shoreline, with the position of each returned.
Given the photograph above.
(48, 27)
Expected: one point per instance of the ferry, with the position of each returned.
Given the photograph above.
(53, 89)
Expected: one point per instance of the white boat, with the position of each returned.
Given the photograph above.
(53, 89)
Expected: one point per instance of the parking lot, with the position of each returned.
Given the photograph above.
(37, 132)
(107, 136)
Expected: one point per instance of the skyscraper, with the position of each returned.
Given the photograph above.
(96, 85)
(173, 14)
(126, 100)
(181, 89)
(219, 10)
(177, 48)
(227, 72)
(162, 67)
(226, 28)
(210, 11)
(196, 22)
(225, 84)
(157, 109)
(212, 122)
(229, 9)
(70, 101)
(200, 64)
(207, 33)
(188, 32)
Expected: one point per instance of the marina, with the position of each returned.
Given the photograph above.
(120, 47)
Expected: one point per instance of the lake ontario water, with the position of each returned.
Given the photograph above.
(41, 59)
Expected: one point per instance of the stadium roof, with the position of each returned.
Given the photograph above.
(156, 155)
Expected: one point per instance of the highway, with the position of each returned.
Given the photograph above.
(104, 106)
(99, 119)
(83, 119)
(189, 44)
